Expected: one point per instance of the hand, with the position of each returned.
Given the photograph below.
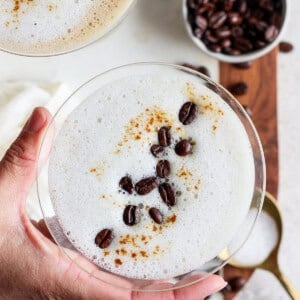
(32, 266)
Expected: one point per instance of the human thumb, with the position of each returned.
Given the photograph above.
(18, 166)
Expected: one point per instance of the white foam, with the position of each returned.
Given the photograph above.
(98, 145)
(45, 27)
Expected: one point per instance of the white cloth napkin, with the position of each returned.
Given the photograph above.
(17, 100)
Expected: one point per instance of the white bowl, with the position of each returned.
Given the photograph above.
(236, 58)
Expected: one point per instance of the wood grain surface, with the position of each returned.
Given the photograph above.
(261, 99)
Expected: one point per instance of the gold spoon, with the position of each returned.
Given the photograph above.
(271, 263)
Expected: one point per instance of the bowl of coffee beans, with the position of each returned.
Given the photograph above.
(235, 31)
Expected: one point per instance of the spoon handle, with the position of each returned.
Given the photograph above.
(290, 289)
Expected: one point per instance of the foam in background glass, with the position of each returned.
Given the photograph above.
(79, 46)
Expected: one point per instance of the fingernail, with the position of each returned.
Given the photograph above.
(217, 286)
(36, 121)
(221, 285)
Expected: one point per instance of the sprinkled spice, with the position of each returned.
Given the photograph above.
(123, 251)
(118, 262)
(184, 173)
(171, 219)
(148, 121)
(143, 253)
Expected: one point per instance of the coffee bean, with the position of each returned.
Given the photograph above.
(266, 4)
(242, 6)
(191, 18)
(203, 9)
(183, 148)
(252, 34)
(261, 26)
(278, 5)
(228, 5)
(226, 43)
(243, 44)
(164, 136)
(201, 23)
(285, 47)
(223, 32)
(247, 14)
(232, 51)
(217, 19)
(258, 14)
(271, 33)
(126, 184)
(198, 33)
(252, 21)
(236, 283)
(204, 2)
(260, 44)
(234, 18)
(156, 215)
(104, 238)
(276, 20)
(193, 4)
(243, 65)
(239, 88)
(157, 150)
(189, 66)
(146, 185)
(167, 194)
(210, 10)
(210, 38)
(163, 168)
(188, 113)
(131, 215)
(203, 70)
(214, 48)
(237, 31)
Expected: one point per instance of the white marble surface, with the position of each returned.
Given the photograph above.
(153, 31)
(289, 147)
(263, 285)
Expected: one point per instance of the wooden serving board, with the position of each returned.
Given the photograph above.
(261, 99)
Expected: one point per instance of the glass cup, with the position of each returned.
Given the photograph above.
(200, 272)
(81, 44)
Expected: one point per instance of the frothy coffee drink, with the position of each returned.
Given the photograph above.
(152, 175)
(49, 27)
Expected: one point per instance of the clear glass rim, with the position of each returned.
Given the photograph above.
(91, 42)
(257, 140)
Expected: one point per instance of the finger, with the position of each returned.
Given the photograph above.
(70, 274)
(69, 281)
(196, 291)
(147, 295)
(74, 283)
(67, 274)
(18, 167)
